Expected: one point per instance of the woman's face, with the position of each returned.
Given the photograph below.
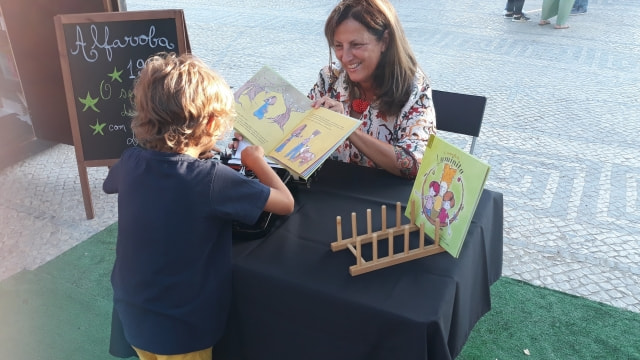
(358, 51)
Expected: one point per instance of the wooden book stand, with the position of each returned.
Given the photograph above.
(362, 266)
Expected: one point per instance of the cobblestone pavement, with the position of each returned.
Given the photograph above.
(560, 129)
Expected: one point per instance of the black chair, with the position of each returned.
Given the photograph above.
(459, 113)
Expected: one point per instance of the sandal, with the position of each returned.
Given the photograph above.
(544, 22)
(561, 27)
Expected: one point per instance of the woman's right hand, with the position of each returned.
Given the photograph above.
(233, 145)
(329, 103)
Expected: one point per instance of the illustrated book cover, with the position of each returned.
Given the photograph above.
(448, 187)
(275, 115)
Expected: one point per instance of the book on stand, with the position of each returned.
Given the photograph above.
(275, 115)
(447, 188)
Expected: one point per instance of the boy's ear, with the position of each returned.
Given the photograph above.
(211, 122)
(213, 127)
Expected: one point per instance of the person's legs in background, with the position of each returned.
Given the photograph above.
(508, 9)
(549, 10)
(579, 7)
(518, 15)
(564, 9)
(585, 4)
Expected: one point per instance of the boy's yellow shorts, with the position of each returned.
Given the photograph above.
(196, 355)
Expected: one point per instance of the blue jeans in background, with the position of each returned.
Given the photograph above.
(580, 7)
(514, 6)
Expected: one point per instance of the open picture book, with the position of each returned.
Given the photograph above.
(275, 115)
(447, 188)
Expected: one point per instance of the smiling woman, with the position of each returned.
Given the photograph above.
(376, 79)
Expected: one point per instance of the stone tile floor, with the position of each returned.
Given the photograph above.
(560, 129)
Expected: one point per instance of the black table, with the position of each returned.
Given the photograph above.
(295, 299)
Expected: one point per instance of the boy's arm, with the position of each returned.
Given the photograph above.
(280, 199)
(110, 184)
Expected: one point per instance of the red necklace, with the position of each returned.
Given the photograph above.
(359, 105)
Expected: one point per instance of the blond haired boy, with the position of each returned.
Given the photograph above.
(172, 274)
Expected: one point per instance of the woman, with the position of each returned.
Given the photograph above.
(377, 80)
(559, 8)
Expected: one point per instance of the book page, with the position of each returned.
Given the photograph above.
(275, 115)
(268, 108)
(313, 140)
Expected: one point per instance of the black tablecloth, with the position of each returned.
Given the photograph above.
(294, 298)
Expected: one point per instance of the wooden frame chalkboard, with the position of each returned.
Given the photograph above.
(100, 56)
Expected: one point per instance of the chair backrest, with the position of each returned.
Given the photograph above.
(459, 113)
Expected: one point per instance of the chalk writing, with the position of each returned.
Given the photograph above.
(117, 128)
(103, 59)
(132, 141)
(101, 41)
(139, 66)
(105, 90)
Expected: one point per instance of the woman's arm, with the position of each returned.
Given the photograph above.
(416, 123)
(378, 151)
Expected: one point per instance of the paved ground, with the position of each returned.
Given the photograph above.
(560, 130)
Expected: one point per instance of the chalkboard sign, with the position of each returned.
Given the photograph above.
(100, 56)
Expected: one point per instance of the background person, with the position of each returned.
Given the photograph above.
(580, 7)
(377, 80)
(172, 274)
(513, 11)
(558, 8)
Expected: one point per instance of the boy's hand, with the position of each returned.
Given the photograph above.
(251, 155)
(280, 199)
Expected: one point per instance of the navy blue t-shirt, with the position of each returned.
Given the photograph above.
(172, 274)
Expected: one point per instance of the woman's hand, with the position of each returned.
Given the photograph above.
(329, 103)
(233, 145)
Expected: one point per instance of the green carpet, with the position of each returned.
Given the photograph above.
(551, 325)
(62, 311)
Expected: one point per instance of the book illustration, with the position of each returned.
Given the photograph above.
(302, 151)
(438, 200)
(294, 134)
(313, 141)
(447, 189)
(262, 110)
(266, 89)
(274, 115)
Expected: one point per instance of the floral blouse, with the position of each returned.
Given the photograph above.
(408, 132)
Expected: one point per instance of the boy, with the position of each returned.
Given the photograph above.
(172, 274)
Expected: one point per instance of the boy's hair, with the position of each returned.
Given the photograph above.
(173, 99)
